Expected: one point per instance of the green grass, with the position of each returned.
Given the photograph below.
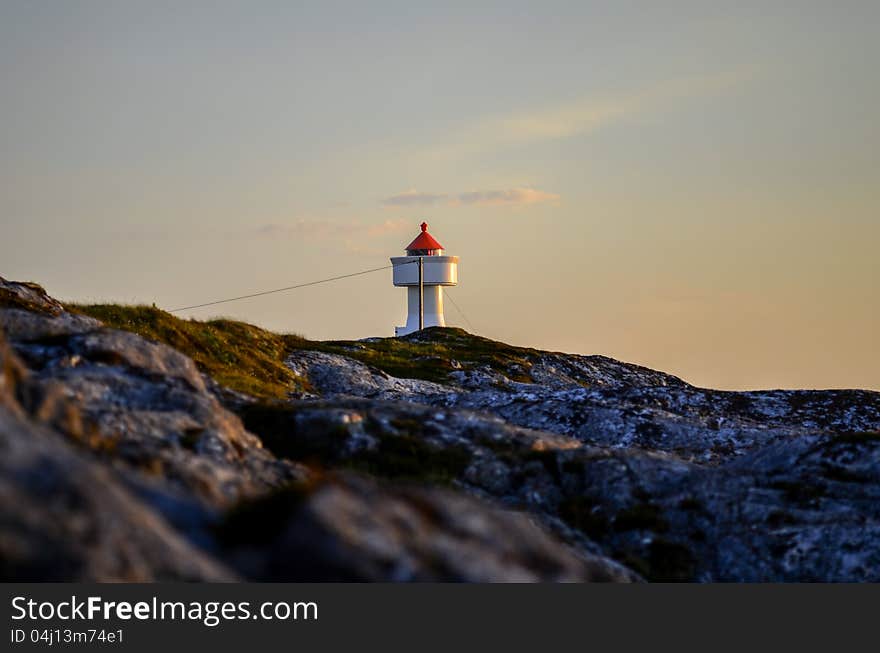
(239, 356)
(249, 359)
(429, 354)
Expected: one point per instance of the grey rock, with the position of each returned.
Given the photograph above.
(349, 528)
(604, 402)
(28, 296)
(335, 375)
(123, 435)
(560, 467)
(67, 518)
(132, 351)
(681, 483)
(24, 326)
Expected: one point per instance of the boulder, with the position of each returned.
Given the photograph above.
(350, 528)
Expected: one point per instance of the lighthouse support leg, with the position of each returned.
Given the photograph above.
(421, 294)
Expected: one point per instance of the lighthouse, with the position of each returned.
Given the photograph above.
(423, 272)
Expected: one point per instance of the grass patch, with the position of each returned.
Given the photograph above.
(249, 359)
(238, 356)
(429, 354)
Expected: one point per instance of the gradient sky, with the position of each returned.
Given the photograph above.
(690, 187)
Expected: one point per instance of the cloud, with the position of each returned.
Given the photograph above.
(414, 198)
(510, 197)
(581, 116)
(506, 197)
(560, 122)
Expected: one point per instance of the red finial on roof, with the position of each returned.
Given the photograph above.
(424, 241)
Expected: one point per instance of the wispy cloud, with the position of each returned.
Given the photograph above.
(414, 198)
(581, 116)
(510, 197)
(513, 197)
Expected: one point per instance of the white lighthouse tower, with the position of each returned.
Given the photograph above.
(424, 271)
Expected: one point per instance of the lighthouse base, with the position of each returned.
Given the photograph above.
(432, 312)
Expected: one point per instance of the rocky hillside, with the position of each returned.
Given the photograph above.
(137, 446)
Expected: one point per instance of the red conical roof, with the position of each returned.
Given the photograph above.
(424, 240)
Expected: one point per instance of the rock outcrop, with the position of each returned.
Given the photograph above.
(601, 401)
(678, 482)
(66, 516)
(121, 463)
(350, 528)
(472, 461)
